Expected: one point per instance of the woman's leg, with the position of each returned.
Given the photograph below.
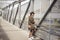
(30, 33)
(29, 28)
(33, 33)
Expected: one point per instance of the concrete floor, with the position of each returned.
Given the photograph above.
(11, 32)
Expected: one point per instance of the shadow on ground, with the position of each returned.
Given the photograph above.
(3, 35)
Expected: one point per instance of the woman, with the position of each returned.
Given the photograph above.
(31, 23)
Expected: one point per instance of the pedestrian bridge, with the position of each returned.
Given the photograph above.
(14, 19)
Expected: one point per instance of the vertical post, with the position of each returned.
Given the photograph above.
(16, 14)
(25, 14)
(19, 20)
(11, 13)
(8, 12)
(19, 7)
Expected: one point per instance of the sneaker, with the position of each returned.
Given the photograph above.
(31, 38)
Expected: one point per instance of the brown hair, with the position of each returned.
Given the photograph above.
(32, 13)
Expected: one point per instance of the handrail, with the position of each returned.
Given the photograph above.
(25, 14)
(47, 13)
(9, 5)
(15, 2)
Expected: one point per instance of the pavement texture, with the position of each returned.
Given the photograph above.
(11, 32)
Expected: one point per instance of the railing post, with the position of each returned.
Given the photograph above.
(16, 14)
(11, 13)
(25, 14)
(19, 20)
(8, 13)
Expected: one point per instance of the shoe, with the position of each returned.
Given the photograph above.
(31, 38)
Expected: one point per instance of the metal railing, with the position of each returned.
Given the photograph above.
(49, 9)
(25, 14)
(11, 13)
